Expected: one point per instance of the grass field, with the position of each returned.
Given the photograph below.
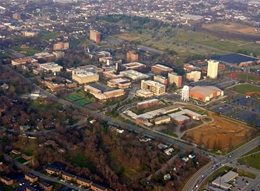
(50, 35)
(232, 27)
(252, 158)
(82, 102)
(247, 77)
(26, 51)
(245, 88)
(74, 97)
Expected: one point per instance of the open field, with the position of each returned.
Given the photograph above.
(74, 97)
(82, 102)
(222, 133)
(251, 159)
(233, 28)
(25, 51)
(244, 76)
(188, 42)
(50, 35)
(246, 89)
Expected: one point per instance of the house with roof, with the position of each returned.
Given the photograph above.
(68, 176)
(6, 180)
(97, 187)
(83, 182)
(52, 171)
(46, 186)
(31, 177)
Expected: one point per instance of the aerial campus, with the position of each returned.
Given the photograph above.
(128, 95)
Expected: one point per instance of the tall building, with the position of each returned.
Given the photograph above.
(193, 76)
(95, 36)
(212, 71)
(185, 93)
(61, 46)
(17, 16)
(161, 69)
(155, 87)
(175, 78)
(131, 56)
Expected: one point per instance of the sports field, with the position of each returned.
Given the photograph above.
(74, 97)
(245, 76)
(82, 102)
(246, 89)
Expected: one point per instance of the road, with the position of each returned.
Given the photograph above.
(197, 178)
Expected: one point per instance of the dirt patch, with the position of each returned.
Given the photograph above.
(252, 93)
(220, 134)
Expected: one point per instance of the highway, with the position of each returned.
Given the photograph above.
(197, 178)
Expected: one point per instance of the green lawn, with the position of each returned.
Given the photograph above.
(248, 77)
(252, 159)
(244, 88)
(26, 51)
(74, 97)
(50, 35)
(38, 105)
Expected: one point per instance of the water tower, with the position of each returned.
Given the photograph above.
(185, 93)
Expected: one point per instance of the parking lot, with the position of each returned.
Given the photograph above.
(243, 101)
(223, 109)
(240, 183)
(247, 116)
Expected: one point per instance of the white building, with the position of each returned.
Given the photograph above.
(51, 66)
(212, 71)
(193, 76)
(185, 94)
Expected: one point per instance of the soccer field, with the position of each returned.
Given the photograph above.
(246, 88)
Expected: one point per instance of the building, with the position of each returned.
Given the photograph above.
(52, 171)
(155, 87)
(104, 95)
(161, 120)
(83, 76)
(134, 75)
(185, 93)
(95, 36)
(205, 93)
(46, 186)
(189, 67)
(17, 16)
(58, 54)
(44, 56)
(161, 79)
(112, 74)
(119, 83)
(68, 176)
(175, 78)
(146, 104)
(181, 119)
(222, 182)
(61, 46)
(6, 180)
(83, 182)
(51, 67)
(19, 61)
(132, 56)
(193, 76)
(161, 69)
(133, 66)
(144, 93)
(29, 34)
(31, 177)
(212, 71)
(97, 187)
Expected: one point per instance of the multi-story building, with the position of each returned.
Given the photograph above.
(119, 82)
(61, 46)
(155, 87)
(193, 76)
(51, 67)
(147, 104)
(95, 36)
(132, 56)
(83, 76)
(161, 79)
(6, 180)
(134, 75)
(29, 34)
(17, 16)
(31, 177)
(161, 69)
(175, 78)
(212, 71)
(19, 61)
(104, 95)
(133, 66)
